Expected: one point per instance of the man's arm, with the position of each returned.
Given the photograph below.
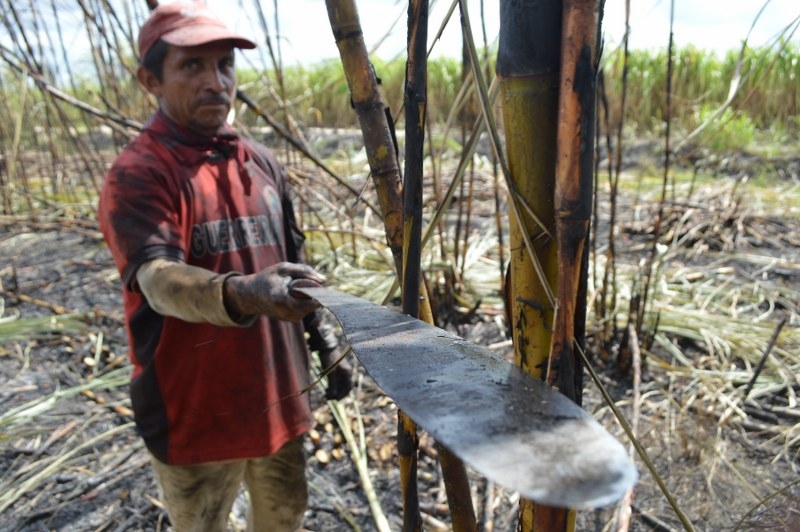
(321, 337)
(198, 295)
(323, 340)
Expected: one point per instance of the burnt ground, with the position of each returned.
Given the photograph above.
(74, 462)
(107, 484)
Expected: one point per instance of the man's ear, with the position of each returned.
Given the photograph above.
(148, 81)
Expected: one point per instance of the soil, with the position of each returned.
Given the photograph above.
(725, 475)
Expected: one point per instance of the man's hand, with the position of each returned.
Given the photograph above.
(340, 380)
(323, 340)
(268, 292)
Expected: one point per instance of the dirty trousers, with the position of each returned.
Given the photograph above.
(198, 498)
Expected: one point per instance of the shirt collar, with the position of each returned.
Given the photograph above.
(192, 146)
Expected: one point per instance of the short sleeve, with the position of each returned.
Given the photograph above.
(139, 212)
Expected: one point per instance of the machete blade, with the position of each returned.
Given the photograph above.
(507, 425)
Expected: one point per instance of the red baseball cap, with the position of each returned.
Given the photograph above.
(186, 24)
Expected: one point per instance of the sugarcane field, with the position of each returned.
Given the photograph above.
(560, 243)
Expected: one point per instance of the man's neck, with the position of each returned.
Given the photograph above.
(191, 137)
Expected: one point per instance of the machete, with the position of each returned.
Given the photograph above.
(507, 425)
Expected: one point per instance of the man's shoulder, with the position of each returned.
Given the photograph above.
(256, 147)
(134, 145)
(142, 149)
(262, 155)
(142, 162)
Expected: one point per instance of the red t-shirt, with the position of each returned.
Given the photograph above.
(199, 392)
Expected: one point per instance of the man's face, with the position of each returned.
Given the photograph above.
(197, 85)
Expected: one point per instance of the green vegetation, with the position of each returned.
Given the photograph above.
(51, 135)
(766, 104)
(767, 100)
(317, 95)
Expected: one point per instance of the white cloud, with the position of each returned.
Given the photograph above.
(718, 25)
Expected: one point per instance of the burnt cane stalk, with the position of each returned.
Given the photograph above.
(528, 66)
(574, 187)
(382, 156)
(415, 105)
(367, 100)
(415, 100)
(548, 87)
(371, 110)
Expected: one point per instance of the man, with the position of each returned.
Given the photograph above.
(200, 223)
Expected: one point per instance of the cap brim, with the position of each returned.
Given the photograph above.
(196, 35)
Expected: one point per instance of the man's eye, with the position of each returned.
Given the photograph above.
(227, 63)
(192, 64)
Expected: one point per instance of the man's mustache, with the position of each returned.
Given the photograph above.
(215, 99)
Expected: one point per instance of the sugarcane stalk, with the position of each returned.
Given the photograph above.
(415, 94)
(574, 186)
(608, 291)
(407, 450)
(378, 141)
(415, 100)
(381, 154)
(368, 102)
(528, 65)
(650, 265)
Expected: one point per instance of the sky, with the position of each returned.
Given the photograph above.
(306, 37)
(717, 25)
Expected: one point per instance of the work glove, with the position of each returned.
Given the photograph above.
(269, 292)
(323, 340)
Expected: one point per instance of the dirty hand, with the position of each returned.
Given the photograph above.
(323, 339)
(268, 292)
(340, 380)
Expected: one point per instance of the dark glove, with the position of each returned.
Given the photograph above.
(340, 376)
(268, 292)
(323, 340)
